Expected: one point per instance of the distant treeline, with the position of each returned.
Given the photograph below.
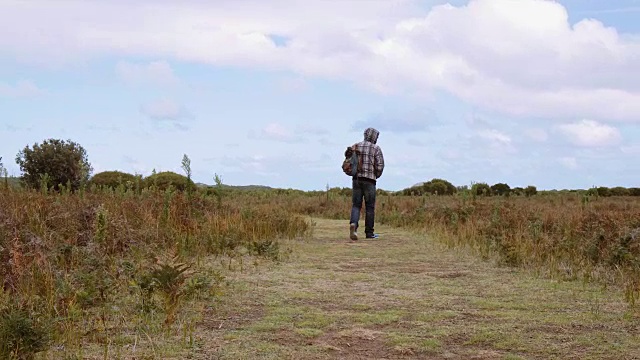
(166, 179)
(444, 187)
(58, 164)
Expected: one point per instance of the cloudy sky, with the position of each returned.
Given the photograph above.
(528, 92)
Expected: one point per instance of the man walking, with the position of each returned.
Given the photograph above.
(364, 182)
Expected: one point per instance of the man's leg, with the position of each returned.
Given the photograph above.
(356, 205)
(370, 206)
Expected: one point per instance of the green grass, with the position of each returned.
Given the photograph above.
(384, 317)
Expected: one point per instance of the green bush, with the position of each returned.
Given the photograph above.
(163, 180)
(113, 179)
(501, 189)
(433, 187)
(20, 336)
(439, 187)
(603, 191)
(530, 190)
(620, 191)
(54, 163)
(481, 189)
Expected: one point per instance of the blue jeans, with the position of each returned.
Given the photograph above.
(366, 190)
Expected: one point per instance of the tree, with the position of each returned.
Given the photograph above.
(619, 191)
(501, 189)
(530, 190)
(603, 191)
(54, 163)
(433, 186)
(481, 189)
(439, 187)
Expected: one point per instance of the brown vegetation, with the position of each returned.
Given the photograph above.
(109, 268)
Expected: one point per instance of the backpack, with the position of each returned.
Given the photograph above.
(353, 163)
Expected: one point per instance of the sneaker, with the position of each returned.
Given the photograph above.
(352, 232)
(372, 236)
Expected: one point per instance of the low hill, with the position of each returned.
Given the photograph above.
(238, 187)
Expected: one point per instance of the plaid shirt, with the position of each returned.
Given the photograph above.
(372, 159)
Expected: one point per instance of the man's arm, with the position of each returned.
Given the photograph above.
(378, 164)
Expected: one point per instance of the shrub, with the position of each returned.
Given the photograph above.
(379, 192)
(481, 189)
(20, 336)
(501, 189)
(530, 190)
(163, 180)
(54, 163)
(112, 179)
(439, 187)
(433, 186)
(603, 191)
(620, 191)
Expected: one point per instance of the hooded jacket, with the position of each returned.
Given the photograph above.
(372, 158)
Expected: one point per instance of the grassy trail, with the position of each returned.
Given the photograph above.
(405, 297)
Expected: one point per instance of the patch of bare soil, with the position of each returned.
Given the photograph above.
(360, 343)
(225, 318)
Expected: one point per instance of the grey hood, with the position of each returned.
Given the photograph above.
(371, 135)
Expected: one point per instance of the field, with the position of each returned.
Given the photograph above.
(268, 274)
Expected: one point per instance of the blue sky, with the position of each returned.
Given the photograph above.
(527, 92)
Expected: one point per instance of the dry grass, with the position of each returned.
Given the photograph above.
(572, 236)
(404, 296)
(122, 274)
(130, 274)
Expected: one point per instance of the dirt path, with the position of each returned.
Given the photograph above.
(404, 297)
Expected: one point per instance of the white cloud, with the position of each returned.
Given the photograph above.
(167, 111)
(163, 109)
(417, 142)
(633, 149)
(539, 135)
(568, 162)
(590, 133)
(324, 141)
(399, 121)
(136, 166)
(278, 132)
(276, 166)
(293, 84)
(24, 88)
(476, 121)
(517, 57)
(156, 72)
(451, 154)
(275, 131)
(311, 129)
(495, 136)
